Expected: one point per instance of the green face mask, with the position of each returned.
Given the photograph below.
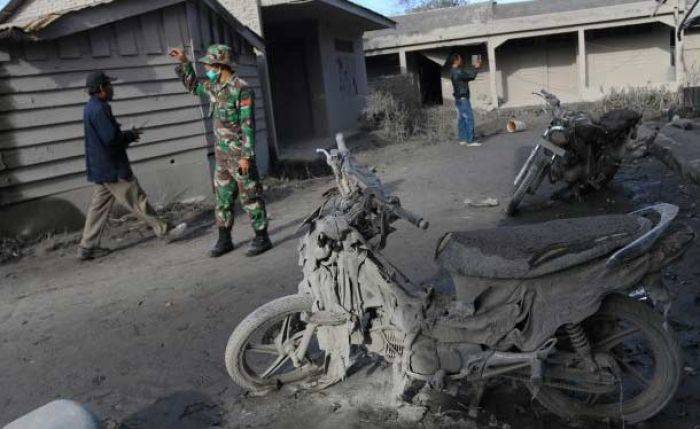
(213, 75)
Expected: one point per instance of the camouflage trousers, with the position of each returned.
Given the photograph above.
(230, 184)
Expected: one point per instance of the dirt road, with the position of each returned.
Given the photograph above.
(140, 334)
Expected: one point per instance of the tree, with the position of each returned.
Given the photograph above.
(420, 5)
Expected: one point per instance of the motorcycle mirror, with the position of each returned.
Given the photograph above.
(325, 152)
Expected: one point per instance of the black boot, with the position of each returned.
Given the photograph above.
(223, 245)
(260, 244)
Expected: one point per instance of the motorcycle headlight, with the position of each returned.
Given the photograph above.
(558, 136)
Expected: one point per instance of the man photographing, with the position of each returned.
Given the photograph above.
(461, 76)
(236, 174)
(109, 168)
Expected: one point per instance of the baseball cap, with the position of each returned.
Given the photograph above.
(97, 78)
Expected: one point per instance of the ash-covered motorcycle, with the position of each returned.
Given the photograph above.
(547, 305)
(583, 152)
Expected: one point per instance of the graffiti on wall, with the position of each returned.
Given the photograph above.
(347, 76)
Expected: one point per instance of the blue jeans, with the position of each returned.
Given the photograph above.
(465, 123)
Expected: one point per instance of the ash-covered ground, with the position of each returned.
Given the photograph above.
(140, 334)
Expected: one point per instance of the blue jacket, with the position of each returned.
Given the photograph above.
(105, 144)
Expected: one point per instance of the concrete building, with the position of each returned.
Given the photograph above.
(309, 79)
(577, 49)
(315, 63)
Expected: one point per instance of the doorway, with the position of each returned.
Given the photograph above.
(430, 79)
(291, 92)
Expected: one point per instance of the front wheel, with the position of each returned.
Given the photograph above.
(648, 361)
(532, 177)
(262, 350)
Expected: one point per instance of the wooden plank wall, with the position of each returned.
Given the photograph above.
(42, 96)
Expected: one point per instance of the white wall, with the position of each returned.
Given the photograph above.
(529, 65)
(247, 12)
(630, 56)
(344, 76)
(691, 56)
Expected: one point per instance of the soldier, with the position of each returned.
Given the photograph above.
(233, 111)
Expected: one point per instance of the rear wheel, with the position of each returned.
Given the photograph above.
(647, 358)
(260, 352)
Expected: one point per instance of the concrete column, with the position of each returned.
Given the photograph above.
(491, 48)
(581, 59)
(680, 66)
(680, 60)
(403, 62)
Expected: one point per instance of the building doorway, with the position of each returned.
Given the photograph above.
(291, 92)
(430, 80)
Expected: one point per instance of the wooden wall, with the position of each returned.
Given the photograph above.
(42, 96)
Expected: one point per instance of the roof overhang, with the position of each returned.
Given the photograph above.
(85, 18)
(692, 18)
(389, 41)
(368, 19)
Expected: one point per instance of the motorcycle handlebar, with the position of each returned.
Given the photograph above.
(416, 220)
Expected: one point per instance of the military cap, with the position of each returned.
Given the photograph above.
(218, 54)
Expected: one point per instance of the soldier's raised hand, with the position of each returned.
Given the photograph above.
(178, 54)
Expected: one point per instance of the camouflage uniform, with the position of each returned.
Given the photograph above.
(233, 112)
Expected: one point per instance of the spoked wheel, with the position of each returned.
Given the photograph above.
(642, 357)
(526, 185)
(262, 352)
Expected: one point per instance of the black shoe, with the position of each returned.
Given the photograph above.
(224, 245)
(85, 254)
(260, 244)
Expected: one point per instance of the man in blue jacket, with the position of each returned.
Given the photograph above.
(109, 168)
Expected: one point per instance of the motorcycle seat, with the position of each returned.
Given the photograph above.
(530, 251)
(619, 121)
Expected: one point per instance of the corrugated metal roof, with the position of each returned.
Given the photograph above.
(33, 15)
(21, 18)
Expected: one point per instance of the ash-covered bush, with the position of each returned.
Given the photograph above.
(650, 102)
(393, 107)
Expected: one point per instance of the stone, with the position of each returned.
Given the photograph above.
(411, 414)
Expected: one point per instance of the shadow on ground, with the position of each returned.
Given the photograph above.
(181, 410)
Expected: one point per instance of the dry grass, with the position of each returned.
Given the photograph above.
(650, 102)
(394, 109)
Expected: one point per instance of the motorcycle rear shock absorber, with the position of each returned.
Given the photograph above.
(581, 344)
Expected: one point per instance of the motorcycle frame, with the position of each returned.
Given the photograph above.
(396, 290)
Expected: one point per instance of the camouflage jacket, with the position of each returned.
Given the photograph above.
(232, 108)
